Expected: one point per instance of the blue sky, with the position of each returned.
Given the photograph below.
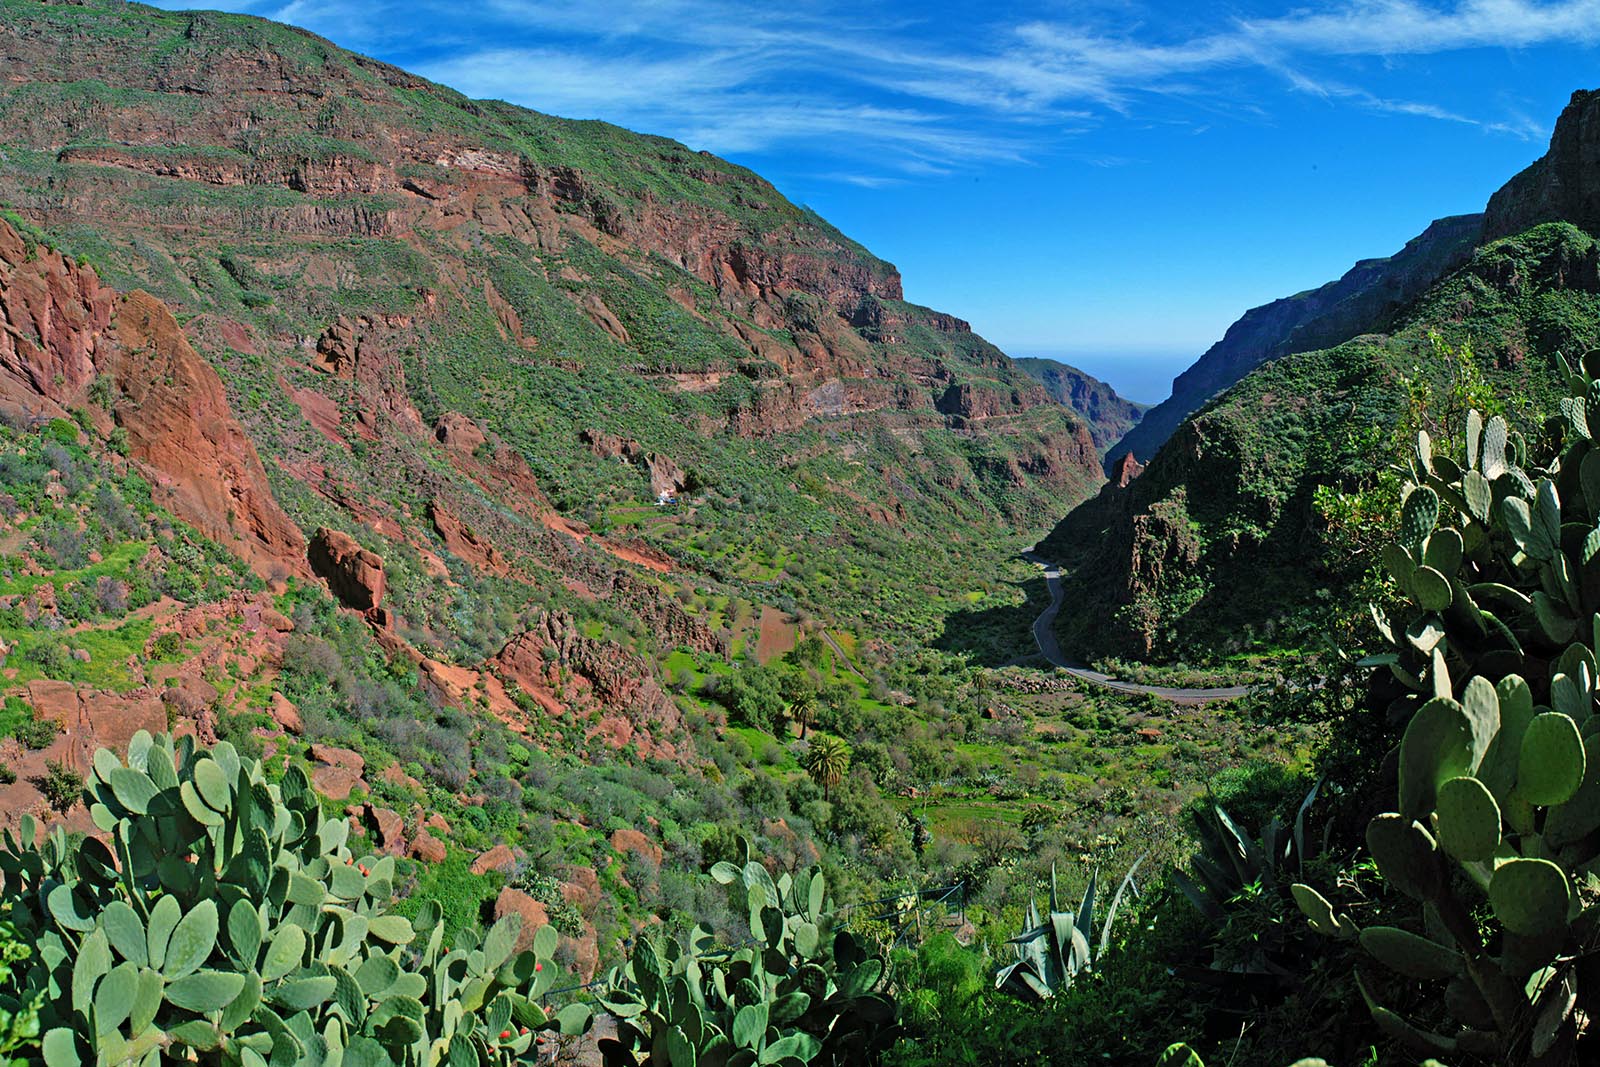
(1111, 181)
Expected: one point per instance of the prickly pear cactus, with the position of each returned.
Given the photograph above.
(1498, 768)
(803, 991)
(223, 920)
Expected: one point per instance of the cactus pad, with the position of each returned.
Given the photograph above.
(1530, 897)
(1438, 745)
(1407, 855)
(1418, 515)
(1442, 551)
(1408, 954)
(1552, 761)
(1469, 819)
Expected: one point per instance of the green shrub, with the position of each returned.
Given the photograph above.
(36, 733)
(166, 646)
(60, 784)
(62, 431)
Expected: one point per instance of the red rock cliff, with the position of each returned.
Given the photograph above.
(60, 329)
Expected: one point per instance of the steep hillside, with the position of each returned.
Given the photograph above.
(1364, 300)
(1216, 547)
(1109, 416)
(424, 304)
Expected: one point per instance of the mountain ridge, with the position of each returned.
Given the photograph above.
(1109, 415)
(1361, 299)
(1174, 563)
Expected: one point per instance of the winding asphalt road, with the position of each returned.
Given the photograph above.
(1044, 634)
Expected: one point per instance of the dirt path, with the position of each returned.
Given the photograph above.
(1045, 636)
(840, 653)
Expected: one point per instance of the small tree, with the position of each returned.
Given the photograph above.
(826, 761)
(803, 710)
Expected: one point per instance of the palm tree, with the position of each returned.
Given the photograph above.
(803, 710)
(826, 761)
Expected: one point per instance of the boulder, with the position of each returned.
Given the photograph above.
(459, 433)
(338, 757)
(499, 858)
(395, 776)
(388, 826)
(626, 841)
(354, 575)
(427, 848)
(533, 912)
(190, 696)
(336, 771)
(284, 713)
(582, 888)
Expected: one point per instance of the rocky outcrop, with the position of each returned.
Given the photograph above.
(1563, 185)
(672, 626)
(463, 543)
(60, 329)
(178, 422)
(354, 575)
(364, 350)
(666, 477)
(1126, 470)
(610, 446)
(595, 673)
(54, 318)
(459, 433)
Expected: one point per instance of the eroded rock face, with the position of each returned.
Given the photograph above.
(1563, 185)
(464, 543)
(54, 316)
(60, 329)
(354, 575)
(179, 424)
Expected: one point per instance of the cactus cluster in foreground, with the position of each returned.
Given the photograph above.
(1498, 769)
(804, 990)
(224, 920)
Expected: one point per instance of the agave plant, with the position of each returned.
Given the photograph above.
(1051, 954)
(1229, 861)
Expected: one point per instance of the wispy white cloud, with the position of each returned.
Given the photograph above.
(914, 95)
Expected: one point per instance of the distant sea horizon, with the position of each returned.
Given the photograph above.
(1139, 375)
